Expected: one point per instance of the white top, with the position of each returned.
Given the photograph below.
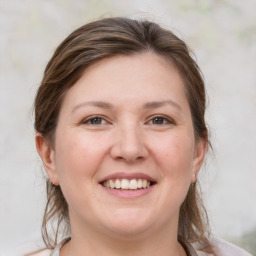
(221, 247)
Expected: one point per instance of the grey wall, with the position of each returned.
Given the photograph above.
(223, 36)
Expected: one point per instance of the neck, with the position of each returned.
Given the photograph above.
(87, 241)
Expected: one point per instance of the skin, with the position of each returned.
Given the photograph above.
(129, 139)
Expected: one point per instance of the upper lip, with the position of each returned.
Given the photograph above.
(128, 176)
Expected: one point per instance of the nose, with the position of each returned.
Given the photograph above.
(129, 144)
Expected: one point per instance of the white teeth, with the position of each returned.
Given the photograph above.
(126, 184)
(144, 183)
(133, 184)
(112, 184)
(106, 184)
(139, 183)
(118, 183)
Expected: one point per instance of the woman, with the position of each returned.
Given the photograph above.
(120, 126)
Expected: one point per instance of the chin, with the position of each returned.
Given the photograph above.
(129, 222)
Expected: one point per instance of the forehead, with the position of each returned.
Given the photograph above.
(138, 77)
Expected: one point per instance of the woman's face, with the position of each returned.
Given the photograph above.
(125, 151)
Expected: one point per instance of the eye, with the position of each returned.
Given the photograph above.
(160, 120)
(95, 120)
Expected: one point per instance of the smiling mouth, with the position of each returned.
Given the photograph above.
(127, 184)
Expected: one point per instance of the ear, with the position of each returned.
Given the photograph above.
(199, 154)
(47, 154)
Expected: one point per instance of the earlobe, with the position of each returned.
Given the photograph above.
(199, 154)
(47, 154)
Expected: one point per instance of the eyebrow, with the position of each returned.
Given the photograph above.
(99, 104)
(148, 105)
(157, 104)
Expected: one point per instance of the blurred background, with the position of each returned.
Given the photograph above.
(222, 34)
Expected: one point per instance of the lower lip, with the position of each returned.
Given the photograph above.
(129, 194)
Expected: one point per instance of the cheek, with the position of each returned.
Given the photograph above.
(78, 159)
(174, 158)
(78, 156)
(175, 155)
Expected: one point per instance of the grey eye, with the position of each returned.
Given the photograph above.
(158, 120)
(95, 120)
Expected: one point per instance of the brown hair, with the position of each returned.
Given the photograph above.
(89, 44)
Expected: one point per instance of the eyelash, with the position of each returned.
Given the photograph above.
(88, 121)
(165, 120)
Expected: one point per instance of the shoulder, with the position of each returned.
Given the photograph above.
(29, 249)
(43, 252)
(224, 248)
(48, 252)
